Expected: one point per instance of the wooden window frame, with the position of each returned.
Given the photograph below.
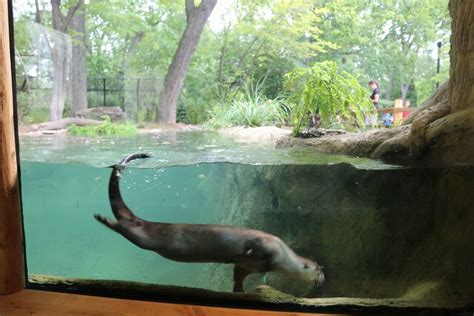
(13, 270)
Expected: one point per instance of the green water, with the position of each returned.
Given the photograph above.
(379, 230)
(172, 149)
(63, 238)
(64, 183)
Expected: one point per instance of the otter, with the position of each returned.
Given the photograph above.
(249, 250)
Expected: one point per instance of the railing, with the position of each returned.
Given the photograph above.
(112, 91)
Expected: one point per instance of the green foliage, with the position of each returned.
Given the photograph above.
(266, 39)
(145, 115)
(249, 109)
(106, 128)
(391, 41)
(248, 113)
(36, 115)
(326, 92)
(384, 103)
(31, 107)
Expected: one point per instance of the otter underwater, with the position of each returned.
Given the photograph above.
(249, 250)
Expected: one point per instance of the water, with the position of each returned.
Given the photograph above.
(59, 203)
(380, 231)
(171, 149)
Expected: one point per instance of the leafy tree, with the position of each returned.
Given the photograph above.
(269, 39)
(260, 41)
(390, 40)
(196, 17)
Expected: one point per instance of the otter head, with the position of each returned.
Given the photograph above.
(311, 271)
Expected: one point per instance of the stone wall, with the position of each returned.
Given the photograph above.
(392, 233)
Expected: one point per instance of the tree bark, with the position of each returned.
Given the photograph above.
(461, 86)
(61, 24)
(59, 56)
(404, 90)
(78, 66)
(220, 75)
(196, 19)
(389, 88)
(131, 98)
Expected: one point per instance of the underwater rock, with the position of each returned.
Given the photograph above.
(378, 233)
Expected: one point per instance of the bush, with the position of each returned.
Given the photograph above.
(248, 113)
(249, 109)
(325, 92)
(106, 128)
(36, 115)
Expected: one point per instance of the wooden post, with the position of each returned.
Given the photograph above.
(397, 116)
(12, 272)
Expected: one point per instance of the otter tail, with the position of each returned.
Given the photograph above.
(119, 208)
(122, 164)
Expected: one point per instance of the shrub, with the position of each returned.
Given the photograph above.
(249, 109)
(325, 92)
(36, 115)
(248, 113)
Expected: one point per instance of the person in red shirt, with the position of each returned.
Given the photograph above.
(406, 104)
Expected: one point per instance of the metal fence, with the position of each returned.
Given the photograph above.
(122, 92)
(126, 93)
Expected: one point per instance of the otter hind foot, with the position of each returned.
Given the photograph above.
(104, 220)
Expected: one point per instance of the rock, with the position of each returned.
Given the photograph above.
(115, 113)
(59, 125)
(254, 134)
(390, 233)
(318, 132)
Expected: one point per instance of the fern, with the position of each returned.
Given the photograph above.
(325, 91)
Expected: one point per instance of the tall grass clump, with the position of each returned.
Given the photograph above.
(332, 95)
(251, 109)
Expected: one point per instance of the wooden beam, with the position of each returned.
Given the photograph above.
(396, 110)
(28, 302)
(12, 272)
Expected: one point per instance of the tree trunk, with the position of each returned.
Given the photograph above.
(461, 84)
(59, 56)
(130, 86)
(78, 67)
(389, 88)
(196, 19)
(220, 75)
(58, 53)
(404, 90)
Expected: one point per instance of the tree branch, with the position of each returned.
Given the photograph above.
(57, 16)
(38, 13)
(136, 39)
(207, 4)
(189, 7)
(70, 13)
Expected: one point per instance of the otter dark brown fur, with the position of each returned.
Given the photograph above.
(249, 250)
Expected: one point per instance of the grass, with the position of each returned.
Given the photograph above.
(251, 108)
(106, 128)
